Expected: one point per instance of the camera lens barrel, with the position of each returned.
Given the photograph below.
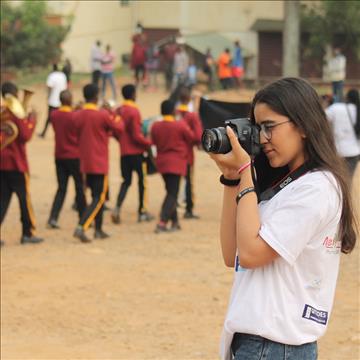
(216, 141)
(208, 140)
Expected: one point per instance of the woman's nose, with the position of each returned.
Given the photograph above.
(263, 139)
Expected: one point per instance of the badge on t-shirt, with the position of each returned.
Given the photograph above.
(313, 314)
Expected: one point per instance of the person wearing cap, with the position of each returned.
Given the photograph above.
(171, 139)
(193, 121)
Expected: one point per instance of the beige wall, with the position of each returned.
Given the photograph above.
(158, 14)
(112, 23)
(106, 21)
(203, 16)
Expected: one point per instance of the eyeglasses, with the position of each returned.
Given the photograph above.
(268, 128)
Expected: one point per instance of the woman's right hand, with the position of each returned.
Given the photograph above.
(229, 173)
(230, 163)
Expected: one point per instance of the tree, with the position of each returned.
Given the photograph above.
(26, 38)
(291, 38)
(331, 23)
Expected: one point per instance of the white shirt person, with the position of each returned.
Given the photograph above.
(343, 118)
(56, 82)
(95, 62)
(284, 248)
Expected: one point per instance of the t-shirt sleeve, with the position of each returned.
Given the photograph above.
(330, 113)
(50, 81)
(293, 223)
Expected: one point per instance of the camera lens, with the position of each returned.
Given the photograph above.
(216, 141)
(209, 140)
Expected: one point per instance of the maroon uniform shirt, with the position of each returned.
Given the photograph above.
(66, 137)
(193, 121)
(171, 138)
(138, 55)
(93, 127)
(132, 141)
(13, 157)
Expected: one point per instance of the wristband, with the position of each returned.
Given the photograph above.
(229, 182)
(243, 167)
(243, 193)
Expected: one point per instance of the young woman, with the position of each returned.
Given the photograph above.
(285, 249)
(345, 122)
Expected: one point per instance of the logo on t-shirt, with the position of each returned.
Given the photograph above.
(332, 246)
(313, 314)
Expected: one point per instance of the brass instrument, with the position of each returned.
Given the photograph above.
(108, 104)
(12, 105)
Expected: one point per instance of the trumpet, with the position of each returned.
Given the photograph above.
(108, 104)
(12, 106)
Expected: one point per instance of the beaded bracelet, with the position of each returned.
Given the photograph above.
(243, 193)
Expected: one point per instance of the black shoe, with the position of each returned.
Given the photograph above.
(160, 228)
(74, 206)
(190, 215)
(99, 234)
(52, 224)
(175, 227)
(145, 217)
(80, 234)
(115, 218)
(30, 239)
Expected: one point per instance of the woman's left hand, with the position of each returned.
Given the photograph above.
(230, 163)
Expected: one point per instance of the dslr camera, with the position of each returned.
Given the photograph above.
(216, 140)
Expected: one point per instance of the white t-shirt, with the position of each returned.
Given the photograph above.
(290, 300)
(343, 128)
(95, 58)
(337, 68)
(57, 82)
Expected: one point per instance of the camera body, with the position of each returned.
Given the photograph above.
(216, 140)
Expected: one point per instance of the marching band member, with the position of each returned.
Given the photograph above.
(66, 157)
(14, 168)
(193, 121)
(171, 139)
(132, 146)
(93, 126)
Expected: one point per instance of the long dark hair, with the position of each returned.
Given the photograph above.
(352, 97)
(297, 99)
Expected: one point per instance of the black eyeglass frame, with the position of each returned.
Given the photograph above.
(267, 128)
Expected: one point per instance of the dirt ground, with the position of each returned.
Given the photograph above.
(137, 295)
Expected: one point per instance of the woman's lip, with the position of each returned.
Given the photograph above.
(268, 151)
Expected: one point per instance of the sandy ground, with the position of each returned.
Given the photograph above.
(137, 295)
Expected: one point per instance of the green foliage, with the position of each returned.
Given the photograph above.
(334, 23)
(27, 39)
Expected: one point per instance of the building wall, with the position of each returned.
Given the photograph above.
(227, 16)
(106, 21)
(157, 14)
(203, 16)
(113, 23)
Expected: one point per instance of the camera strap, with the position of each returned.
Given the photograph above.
(285, 181)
